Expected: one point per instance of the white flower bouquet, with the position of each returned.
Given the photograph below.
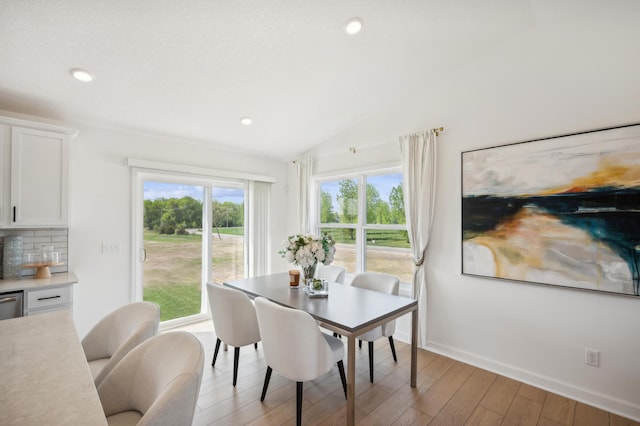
(306, 250)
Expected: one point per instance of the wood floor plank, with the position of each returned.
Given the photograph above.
(559, 409)
(532, 393)
(615, 420)
(447, 392)
(523, 412)
(482, 416)
(443, 389)
(462, 404)
(412, 417)
(500, 395)
(590, 416)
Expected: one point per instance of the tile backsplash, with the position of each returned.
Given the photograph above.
(34, 239)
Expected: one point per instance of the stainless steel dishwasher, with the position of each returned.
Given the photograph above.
(10, 305)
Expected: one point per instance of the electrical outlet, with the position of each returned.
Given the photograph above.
(110, 248)
(592, 357)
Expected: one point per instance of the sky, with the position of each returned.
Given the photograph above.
(383, 183)
(155, 190)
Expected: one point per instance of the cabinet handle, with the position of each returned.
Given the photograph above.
(50, 297)
(8, 299)
(14, 213)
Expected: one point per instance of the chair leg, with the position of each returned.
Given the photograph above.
(298, 403)
(266, 383)
(236, 358)
(393, 349)
(215, 353)
(342, 377)
(371, 362)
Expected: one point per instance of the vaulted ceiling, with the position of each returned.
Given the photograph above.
(191, 69)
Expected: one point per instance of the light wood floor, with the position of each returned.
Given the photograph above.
(448, 392)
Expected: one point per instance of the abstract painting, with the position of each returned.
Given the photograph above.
(562, 211)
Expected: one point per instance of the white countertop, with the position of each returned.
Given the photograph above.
(45, 378)
(24, 283)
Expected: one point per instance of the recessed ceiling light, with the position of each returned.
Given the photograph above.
(353, 26)
(246, 121)
(81, 75)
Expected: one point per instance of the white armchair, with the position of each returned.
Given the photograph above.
(117, 334)
(156, 384)
(383, 283)
(234, 320)
(294, 346)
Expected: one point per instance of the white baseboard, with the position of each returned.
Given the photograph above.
(605, 402)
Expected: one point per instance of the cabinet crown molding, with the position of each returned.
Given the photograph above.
(18, 122)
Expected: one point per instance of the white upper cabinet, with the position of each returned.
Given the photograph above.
(37, 158)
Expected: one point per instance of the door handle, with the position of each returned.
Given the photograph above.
(8, 299)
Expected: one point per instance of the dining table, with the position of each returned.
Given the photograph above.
(44, 375)
(347, 310)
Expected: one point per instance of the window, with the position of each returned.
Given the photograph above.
(365, 215)
(175, 241)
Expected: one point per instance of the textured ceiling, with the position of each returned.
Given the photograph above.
(190, 69)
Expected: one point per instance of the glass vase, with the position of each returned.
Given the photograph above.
(309, 272)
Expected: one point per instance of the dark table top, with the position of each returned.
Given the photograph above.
(351, 309)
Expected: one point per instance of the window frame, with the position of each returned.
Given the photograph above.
(361, 226)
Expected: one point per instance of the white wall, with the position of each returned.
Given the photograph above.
(100, 208)
(552, 80)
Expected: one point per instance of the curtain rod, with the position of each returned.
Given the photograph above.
(436, 130)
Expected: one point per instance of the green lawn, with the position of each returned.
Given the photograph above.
(375, 237)
(175, 300)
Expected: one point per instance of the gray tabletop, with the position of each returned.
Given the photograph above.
(351, 309)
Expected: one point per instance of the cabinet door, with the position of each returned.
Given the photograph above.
(39, 178)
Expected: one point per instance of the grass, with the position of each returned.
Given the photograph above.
(175, 300)
(375, 237)
(173, 269)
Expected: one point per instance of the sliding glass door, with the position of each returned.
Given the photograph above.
(189, 231)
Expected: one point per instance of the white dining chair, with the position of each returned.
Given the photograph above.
(156, 384)
(331, 273)
(295, 347)
(118, 333)
(234, 321)
(383, 283)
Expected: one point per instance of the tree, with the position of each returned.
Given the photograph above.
(374, 205)
(348, 201)
(396, 200)
(327, 215)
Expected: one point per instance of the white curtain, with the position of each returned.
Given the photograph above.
(259, 213)
(303, 169)
(418, 152)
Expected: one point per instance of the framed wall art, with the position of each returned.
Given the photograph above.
(561, 211)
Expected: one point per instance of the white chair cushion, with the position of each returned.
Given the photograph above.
(118, 333)
(383, 283)
(97, 365)
(126, 418)
(293, 344)
(336, 345)
(234, 316)
(160, 378)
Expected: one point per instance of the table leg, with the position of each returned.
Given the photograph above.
(414, 347)
(351, 380)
